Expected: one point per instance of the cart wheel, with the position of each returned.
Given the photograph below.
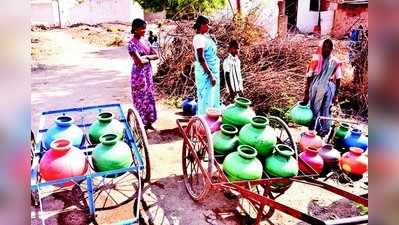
(140, 138)
(34, 198)
(194, 169)
(284, 136)
(251, 209)
(283, 133)
(108, 193)
(32, 146)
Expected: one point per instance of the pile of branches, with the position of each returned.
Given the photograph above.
(273, 69)
(355, 91)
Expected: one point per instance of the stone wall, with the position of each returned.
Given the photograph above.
(346, 16)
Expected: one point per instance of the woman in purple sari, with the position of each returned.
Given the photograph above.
(143, 92)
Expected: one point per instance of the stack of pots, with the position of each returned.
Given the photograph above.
(252, 130)
(257, 145)
(111, 152)
(64, 159)
(327, 158)
(345, 138)
(321, 160)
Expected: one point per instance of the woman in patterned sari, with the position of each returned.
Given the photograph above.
(142, 85)
(323, 81)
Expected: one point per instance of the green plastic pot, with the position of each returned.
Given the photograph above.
(259, 135)
(301, 114)
(282, 163)
(242, 164)
(225, 140)
(105, 124)
(111, 154)
(239, 113)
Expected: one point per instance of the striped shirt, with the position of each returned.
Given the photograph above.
(232, 66)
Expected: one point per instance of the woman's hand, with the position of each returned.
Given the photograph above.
(211, 77)
(213, 80)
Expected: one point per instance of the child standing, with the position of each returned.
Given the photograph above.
(232, 71)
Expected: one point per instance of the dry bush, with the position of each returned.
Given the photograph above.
(354, 92)
(354, 97)
(273, 69)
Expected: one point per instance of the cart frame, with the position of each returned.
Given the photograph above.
(134, 136)
(213, 178)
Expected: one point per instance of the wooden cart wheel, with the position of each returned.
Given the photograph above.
(251, 209)
(109, 193)
(197, 159)
(140, 138)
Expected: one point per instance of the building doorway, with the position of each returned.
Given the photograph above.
(291, 9)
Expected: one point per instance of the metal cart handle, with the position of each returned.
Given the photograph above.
(348, 221)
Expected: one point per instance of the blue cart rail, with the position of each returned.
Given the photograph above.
(97, 190)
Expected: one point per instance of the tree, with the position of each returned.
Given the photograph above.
(182, 6)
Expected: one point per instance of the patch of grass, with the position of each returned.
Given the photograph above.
(283, 111)
(363, 210)
(174, 102)
(116, 41)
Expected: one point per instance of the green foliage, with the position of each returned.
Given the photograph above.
(203, 6)
(154, 5)
(174, 102)
(182, 6)
(362, 209)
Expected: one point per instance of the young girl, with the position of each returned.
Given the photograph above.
(232, 71)
(143, 92)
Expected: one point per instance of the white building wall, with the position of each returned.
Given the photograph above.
(101, 11)
(44, 12)
(307, 20)
(267, 17)
(89, 11)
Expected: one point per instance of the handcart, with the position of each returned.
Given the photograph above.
(203, 173)
(96, 190)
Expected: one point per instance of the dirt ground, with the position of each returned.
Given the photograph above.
(68, 72)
